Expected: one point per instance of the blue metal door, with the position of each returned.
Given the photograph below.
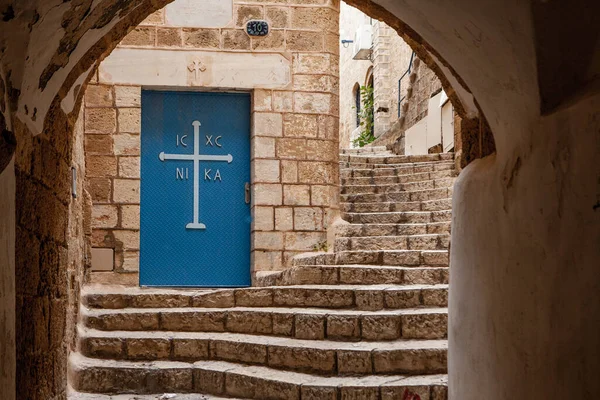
(195, 166)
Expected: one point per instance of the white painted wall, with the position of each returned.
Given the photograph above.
(434, 121)
(7, 283)
(415, 138)
(447, 126)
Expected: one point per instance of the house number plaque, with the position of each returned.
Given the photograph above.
(257, 28)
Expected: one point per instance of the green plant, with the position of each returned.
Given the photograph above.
(367, 117)
(321, 246)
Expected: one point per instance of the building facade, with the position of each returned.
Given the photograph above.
(290, 75)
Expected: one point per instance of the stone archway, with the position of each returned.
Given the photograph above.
(520, 216)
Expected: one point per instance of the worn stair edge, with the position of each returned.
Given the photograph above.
(310, 324)
(249, 382)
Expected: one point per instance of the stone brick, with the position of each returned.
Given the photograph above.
(315, 83)
(315, 172)
(263, 147)
(283, 324)
(148, 349)
(129, 167)
(318, 393)
(206, 381)
(263, 219)
(130, 240)
(130, 120)
(253, 323)
(267, 260)
(126, 144)
(300, 125)
(289, 171)
(321, 195)
(126, 191)
(312, 63)
(188, 349)
(267, 194)
(268, 124)
(130, 217)
(104, 347)
(296, 195)
(291, 148)
(277, 16)
(268, 240)
(310, 327)
(262, 100)
(321, 150)
(343, 327)
(302, 241)
(354, 362)
(266, 171)
(100, 189)
(328, 127)
(201, 38)
(275, 40)
(308, 219)
(130, 261)
(316, 18)
(243, 14)
(100, 120)
(332, 43)
(156, 18)
(283, 101)
(218, 299)
(128, 96)
(140, 36)
(100, 166)
(168, 37)
(380, 327)
(254, 298)
(235, 39)
(304, 41)
(318, 103)
(284, 219)
(99, 144)
(99, 96)
(106, 216)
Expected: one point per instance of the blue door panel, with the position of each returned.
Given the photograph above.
(180, 244)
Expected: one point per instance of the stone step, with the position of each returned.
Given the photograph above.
(354, 275)
(366, 230)
(326, 358)
(399, 187)
(326, 296)
(388, 170)
(366, 149)
(409, 217)
(413, 242)
(395, 159)
(391, 179)
(249, 382)
(395, 258)
(407, 196)
(427, 205)
(301, 323)
(73, 395)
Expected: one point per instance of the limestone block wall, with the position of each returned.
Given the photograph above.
(352, 72)
(292, 74)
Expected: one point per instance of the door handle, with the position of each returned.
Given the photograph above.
(247, 192)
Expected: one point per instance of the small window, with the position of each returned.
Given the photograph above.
(356, 91)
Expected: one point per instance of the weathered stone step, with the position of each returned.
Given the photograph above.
(304, 323)
(404, 169)
(410, 217)
(399, 187)
(395, 159)
(348, 296)
(427, 205)
(357, 230)
(354, 275)
(366, 149)
(435, 258)
(415, 195)
(409, 357)
(249, 382)
(72, 395)
(413, 242)
(386, 180)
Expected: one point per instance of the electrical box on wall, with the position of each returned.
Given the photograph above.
(363, 43)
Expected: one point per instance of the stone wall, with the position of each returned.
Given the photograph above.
(292, 75)
(352, 72)
(50, 254)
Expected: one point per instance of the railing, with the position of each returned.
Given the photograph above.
(400, 97)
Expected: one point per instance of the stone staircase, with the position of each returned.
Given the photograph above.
(366, 321)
